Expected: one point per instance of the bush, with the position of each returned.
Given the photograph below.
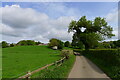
(4, 44)
(12, 45)
(77, 50)
(66, 53)
(67, 44)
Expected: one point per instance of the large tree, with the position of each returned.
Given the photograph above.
(67, 44)
(90, 32)
(55, 42)
(26, 42)
(4, 44)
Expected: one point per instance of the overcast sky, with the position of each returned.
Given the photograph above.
(41, 21)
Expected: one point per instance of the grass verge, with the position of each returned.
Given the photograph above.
(56, 72)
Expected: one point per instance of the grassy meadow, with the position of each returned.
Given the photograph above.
(20, 59)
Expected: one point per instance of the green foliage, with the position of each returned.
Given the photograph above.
(66, 53)
(26, 42)
(60, 45)
(108, 44)
(55, 42)
(37, 43)
(4, 44)
(67, 44)
(12, 45)
(116, 43)
(94, 31)
(20, 59)
(77, 44)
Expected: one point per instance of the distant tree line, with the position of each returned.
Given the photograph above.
(60, 44)
(100, 45)
(5, 44)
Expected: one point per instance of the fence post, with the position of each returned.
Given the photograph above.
(55, 63)
(29, 73)
(46, 68)
(62, 60)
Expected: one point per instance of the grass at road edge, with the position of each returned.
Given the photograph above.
(58, 72)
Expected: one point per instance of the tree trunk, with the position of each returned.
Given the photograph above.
(86, 47)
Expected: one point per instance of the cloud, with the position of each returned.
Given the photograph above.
(57, 9)
(112, 16)
(21, 18)
(26, 23)
(112, 19)
(59, 34)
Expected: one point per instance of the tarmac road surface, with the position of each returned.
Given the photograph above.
(84, 69)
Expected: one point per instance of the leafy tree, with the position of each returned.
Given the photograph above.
(22, 43)
(99, 46)
(116, 43)
(55, 42)
(112, 44)
(93, 32)
(106, 45)
(4, 44)
(77, 44)
(67, 44)
(12, 45)
(60, 45)
(37, 43)
(26, 42)
(30, 42)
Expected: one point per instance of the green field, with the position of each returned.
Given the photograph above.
(20, 59)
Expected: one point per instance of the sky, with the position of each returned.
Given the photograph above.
(41, 21)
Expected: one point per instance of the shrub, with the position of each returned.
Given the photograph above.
(12, 45)
(67, 44)
(66, 53)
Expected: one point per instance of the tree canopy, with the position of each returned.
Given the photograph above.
(55, 42)
(67, 44)
(94, 31)
(4, 44)
(26, 42)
